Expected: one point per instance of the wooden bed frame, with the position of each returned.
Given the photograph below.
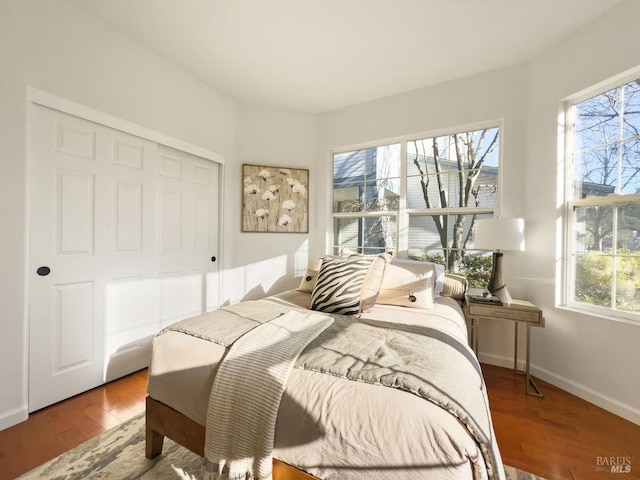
(163, 421)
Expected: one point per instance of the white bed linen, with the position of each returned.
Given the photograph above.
(332, 427)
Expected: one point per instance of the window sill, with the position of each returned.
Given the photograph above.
(604, 313)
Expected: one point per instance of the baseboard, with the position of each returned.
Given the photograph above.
(597, 398)
(13, 417)
(592, 396)
(499, 360)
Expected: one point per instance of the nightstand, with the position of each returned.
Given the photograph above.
(518, 311)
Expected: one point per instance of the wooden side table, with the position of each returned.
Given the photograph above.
(518, 311)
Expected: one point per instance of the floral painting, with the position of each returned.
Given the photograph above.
(275, 199)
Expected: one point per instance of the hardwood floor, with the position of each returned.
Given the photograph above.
(557, 437)
(54, 430)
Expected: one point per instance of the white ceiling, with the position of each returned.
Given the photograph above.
(321, 55)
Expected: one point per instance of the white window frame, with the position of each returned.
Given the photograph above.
(570, 203)
(403, 214)
(375, 214)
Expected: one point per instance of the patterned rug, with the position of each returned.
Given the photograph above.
(118, 454)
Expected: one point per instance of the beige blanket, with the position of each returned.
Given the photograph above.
(426, 362)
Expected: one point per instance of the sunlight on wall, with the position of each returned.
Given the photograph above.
(560, 149)
(561, 185)
(301, 259)
(213, 287)
(253, 280)
(265, 273)
(264, 277)
(137, 309)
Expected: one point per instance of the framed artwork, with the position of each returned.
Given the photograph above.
(275, 199)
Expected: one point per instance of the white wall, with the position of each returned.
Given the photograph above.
(266, 263)
(59, 48)
(592, 357)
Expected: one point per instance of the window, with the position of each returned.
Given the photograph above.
(366, 198)
(603, 200)
(421, 196)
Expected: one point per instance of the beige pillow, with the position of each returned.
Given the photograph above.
(400, 266)
(308, 280)
(455, 286)
(373, 280)
(408, 290)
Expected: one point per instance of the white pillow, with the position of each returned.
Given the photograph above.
(408, 290)
(417, 267)
(308, 280)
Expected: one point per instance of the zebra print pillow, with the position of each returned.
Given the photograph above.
(339, 286)
(373, 280)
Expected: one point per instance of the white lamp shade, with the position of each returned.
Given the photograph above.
(499, 234)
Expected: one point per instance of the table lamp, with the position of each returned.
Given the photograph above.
(499, 234)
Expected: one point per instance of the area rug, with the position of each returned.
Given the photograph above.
(118, 454)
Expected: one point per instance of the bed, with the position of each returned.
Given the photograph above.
(367, 413)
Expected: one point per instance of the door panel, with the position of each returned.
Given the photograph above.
(75, 197)
(128, 223)
(170, 218)
(72, 319)
(201, 224)
(64, 309)
(127, 228)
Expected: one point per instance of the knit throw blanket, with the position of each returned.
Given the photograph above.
(246, 395)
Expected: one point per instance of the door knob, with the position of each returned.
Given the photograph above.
(213, 259)
(43, 271)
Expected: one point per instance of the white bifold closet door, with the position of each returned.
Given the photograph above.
(123, 242)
